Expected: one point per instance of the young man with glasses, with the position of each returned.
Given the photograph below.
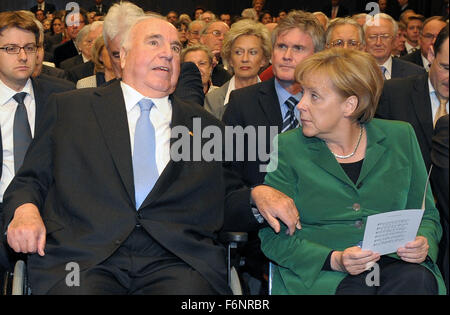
(22, 98)
(431, 27)
(380, 34)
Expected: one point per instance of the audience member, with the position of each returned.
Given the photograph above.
(198, 12)
(212, 37)
(182, 28)
(380, 33)
(74, 23)
(345, 33)
(246, 50)
(420, 100)
(258, 6)
(361, 18)
(172, 17)
(250, 13)
(208, 17)
(265, 17)
(335, 9)
(398, 46)
(338, 135)
(99, 8)
(194, 31)
(203, 59)
(431, 28)
(79, 58)
(413, 29)
(22, 97)
(271, 105)
(322, 18)
(103, 71)
(44, 6)
(439, 181)
(226, 18)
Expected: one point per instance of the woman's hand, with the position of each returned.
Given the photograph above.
(353, 260)
(415, 251)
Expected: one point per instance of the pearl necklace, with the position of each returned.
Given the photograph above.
(354, 151)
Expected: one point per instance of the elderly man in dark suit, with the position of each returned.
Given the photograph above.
(22, 98)
(380, 32)
(420, 100)
(100, 188)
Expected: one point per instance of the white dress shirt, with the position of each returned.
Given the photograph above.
(410, 48)
(388, 65)
(160, 117)
(7, 111)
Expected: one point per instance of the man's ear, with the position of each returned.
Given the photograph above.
(430, 54)
(123, 56)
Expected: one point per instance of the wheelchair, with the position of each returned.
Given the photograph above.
(15, 281)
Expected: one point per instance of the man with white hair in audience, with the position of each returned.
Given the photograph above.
(380, 32)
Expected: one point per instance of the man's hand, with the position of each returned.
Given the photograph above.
(273, 205)
(26, 232)
(415, 251)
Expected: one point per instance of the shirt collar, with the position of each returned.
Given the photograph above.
(132, 97)
(283, 95)
(6, 93)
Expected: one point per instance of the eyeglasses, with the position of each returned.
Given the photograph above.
(341, 43)
(429, 36)
(382, 37)
(216, 33)
(15, 50)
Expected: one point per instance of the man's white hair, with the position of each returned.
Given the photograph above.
(119, 19)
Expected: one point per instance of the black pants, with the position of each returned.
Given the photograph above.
(396, 278)
(139, 266)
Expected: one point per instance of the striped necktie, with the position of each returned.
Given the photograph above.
(383, 71)
(290, 121)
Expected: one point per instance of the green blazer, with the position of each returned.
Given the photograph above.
(333, 210)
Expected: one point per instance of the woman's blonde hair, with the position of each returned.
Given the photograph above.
(246, 27)
(352, 73)
(97, 48)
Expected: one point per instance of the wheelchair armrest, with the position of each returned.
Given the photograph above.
(233, 237)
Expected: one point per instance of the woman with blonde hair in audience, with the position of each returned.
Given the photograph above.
(246, 50)
(340, 167)
(203, 58)
(102, 67)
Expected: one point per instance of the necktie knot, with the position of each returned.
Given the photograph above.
(20, 97)
(145, 104)
(291, 102)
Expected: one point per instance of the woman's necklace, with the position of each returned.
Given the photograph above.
(354, 151)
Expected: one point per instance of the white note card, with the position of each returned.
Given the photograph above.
(387, 232)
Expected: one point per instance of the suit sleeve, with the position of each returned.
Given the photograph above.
(34, 178)
(296, 253)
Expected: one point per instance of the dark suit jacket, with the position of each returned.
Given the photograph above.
(71, 62)
(255, 105)
(49, 7)
(103, 11)
(54, 72)
(43, 87)
(80, 71)
(414, 57)
(189, 86)
(63, 52)
(408, 100)
(342, 11)
(440, 184)
(85, 192)
(402, 69)
(220, 76)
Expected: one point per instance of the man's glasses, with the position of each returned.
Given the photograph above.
(216, 33)
(382, 37)
(341, 43)
(429, 36)
(15, 50)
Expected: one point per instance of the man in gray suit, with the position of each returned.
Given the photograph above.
(380, 34)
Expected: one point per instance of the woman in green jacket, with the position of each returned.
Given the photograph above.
(340, 167)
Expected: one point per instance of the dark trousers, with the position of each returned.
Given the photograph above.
(396, 278)
(139, 266)
(4, 261)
